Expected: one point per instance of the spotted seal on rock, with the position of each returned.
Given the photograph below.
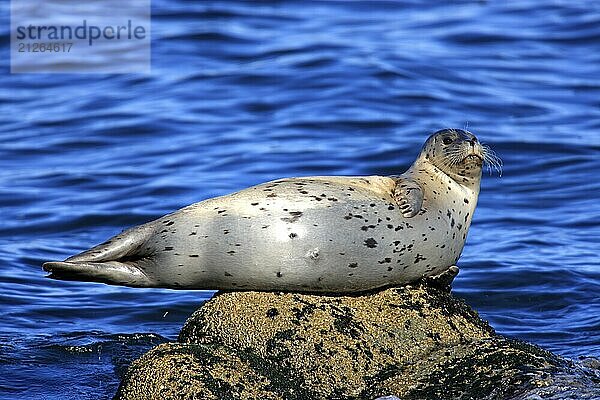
(310, 234)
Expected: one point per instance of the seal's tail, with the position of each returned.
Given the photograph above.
(118, 261)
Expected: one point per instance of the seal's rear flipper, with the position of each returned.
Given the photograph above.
(127, 244)
(110, 272)
(119, 261)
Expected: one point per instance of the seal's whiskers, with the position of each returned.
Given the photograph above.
(454, 157)
(491, 160)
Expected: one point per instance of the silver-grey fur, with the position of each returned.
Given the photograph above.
(312, 234)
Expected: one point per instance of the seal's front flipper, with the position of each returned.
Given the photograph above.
(442, 280)
(409, 196)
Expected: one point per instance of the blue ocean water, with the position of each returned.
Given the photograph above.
(245, 92)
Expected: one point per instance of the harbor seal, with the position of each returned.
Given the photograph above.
(308, 234)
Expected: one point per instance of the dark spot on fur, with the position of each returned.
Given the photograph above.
(419, 258)
(194, 255)
(295, 216)
(352, 265)
(227, 274)
(168, 248)
(293, 235)
(371, 243)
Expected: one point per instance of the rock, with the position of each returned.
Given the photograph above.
(413, 343)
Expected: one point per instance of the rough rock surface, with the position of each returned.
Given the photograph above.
(413, 343)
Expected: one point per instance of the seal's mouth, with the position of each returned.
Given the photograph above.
(473, 158)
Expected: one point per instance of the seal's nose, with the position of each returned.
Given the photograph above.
(473, 141)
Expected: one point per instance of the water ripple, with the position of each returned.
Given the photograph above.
(243, 93)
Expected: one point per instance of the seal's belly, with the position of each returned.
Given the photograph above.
(309, 233)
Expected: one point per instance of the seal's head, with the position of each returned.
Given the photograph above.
(457, 153)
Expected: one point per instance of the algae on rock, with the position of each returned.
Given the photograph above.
(414, 343)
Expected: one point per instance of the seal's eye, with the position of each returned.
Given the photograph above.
(447, 140)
